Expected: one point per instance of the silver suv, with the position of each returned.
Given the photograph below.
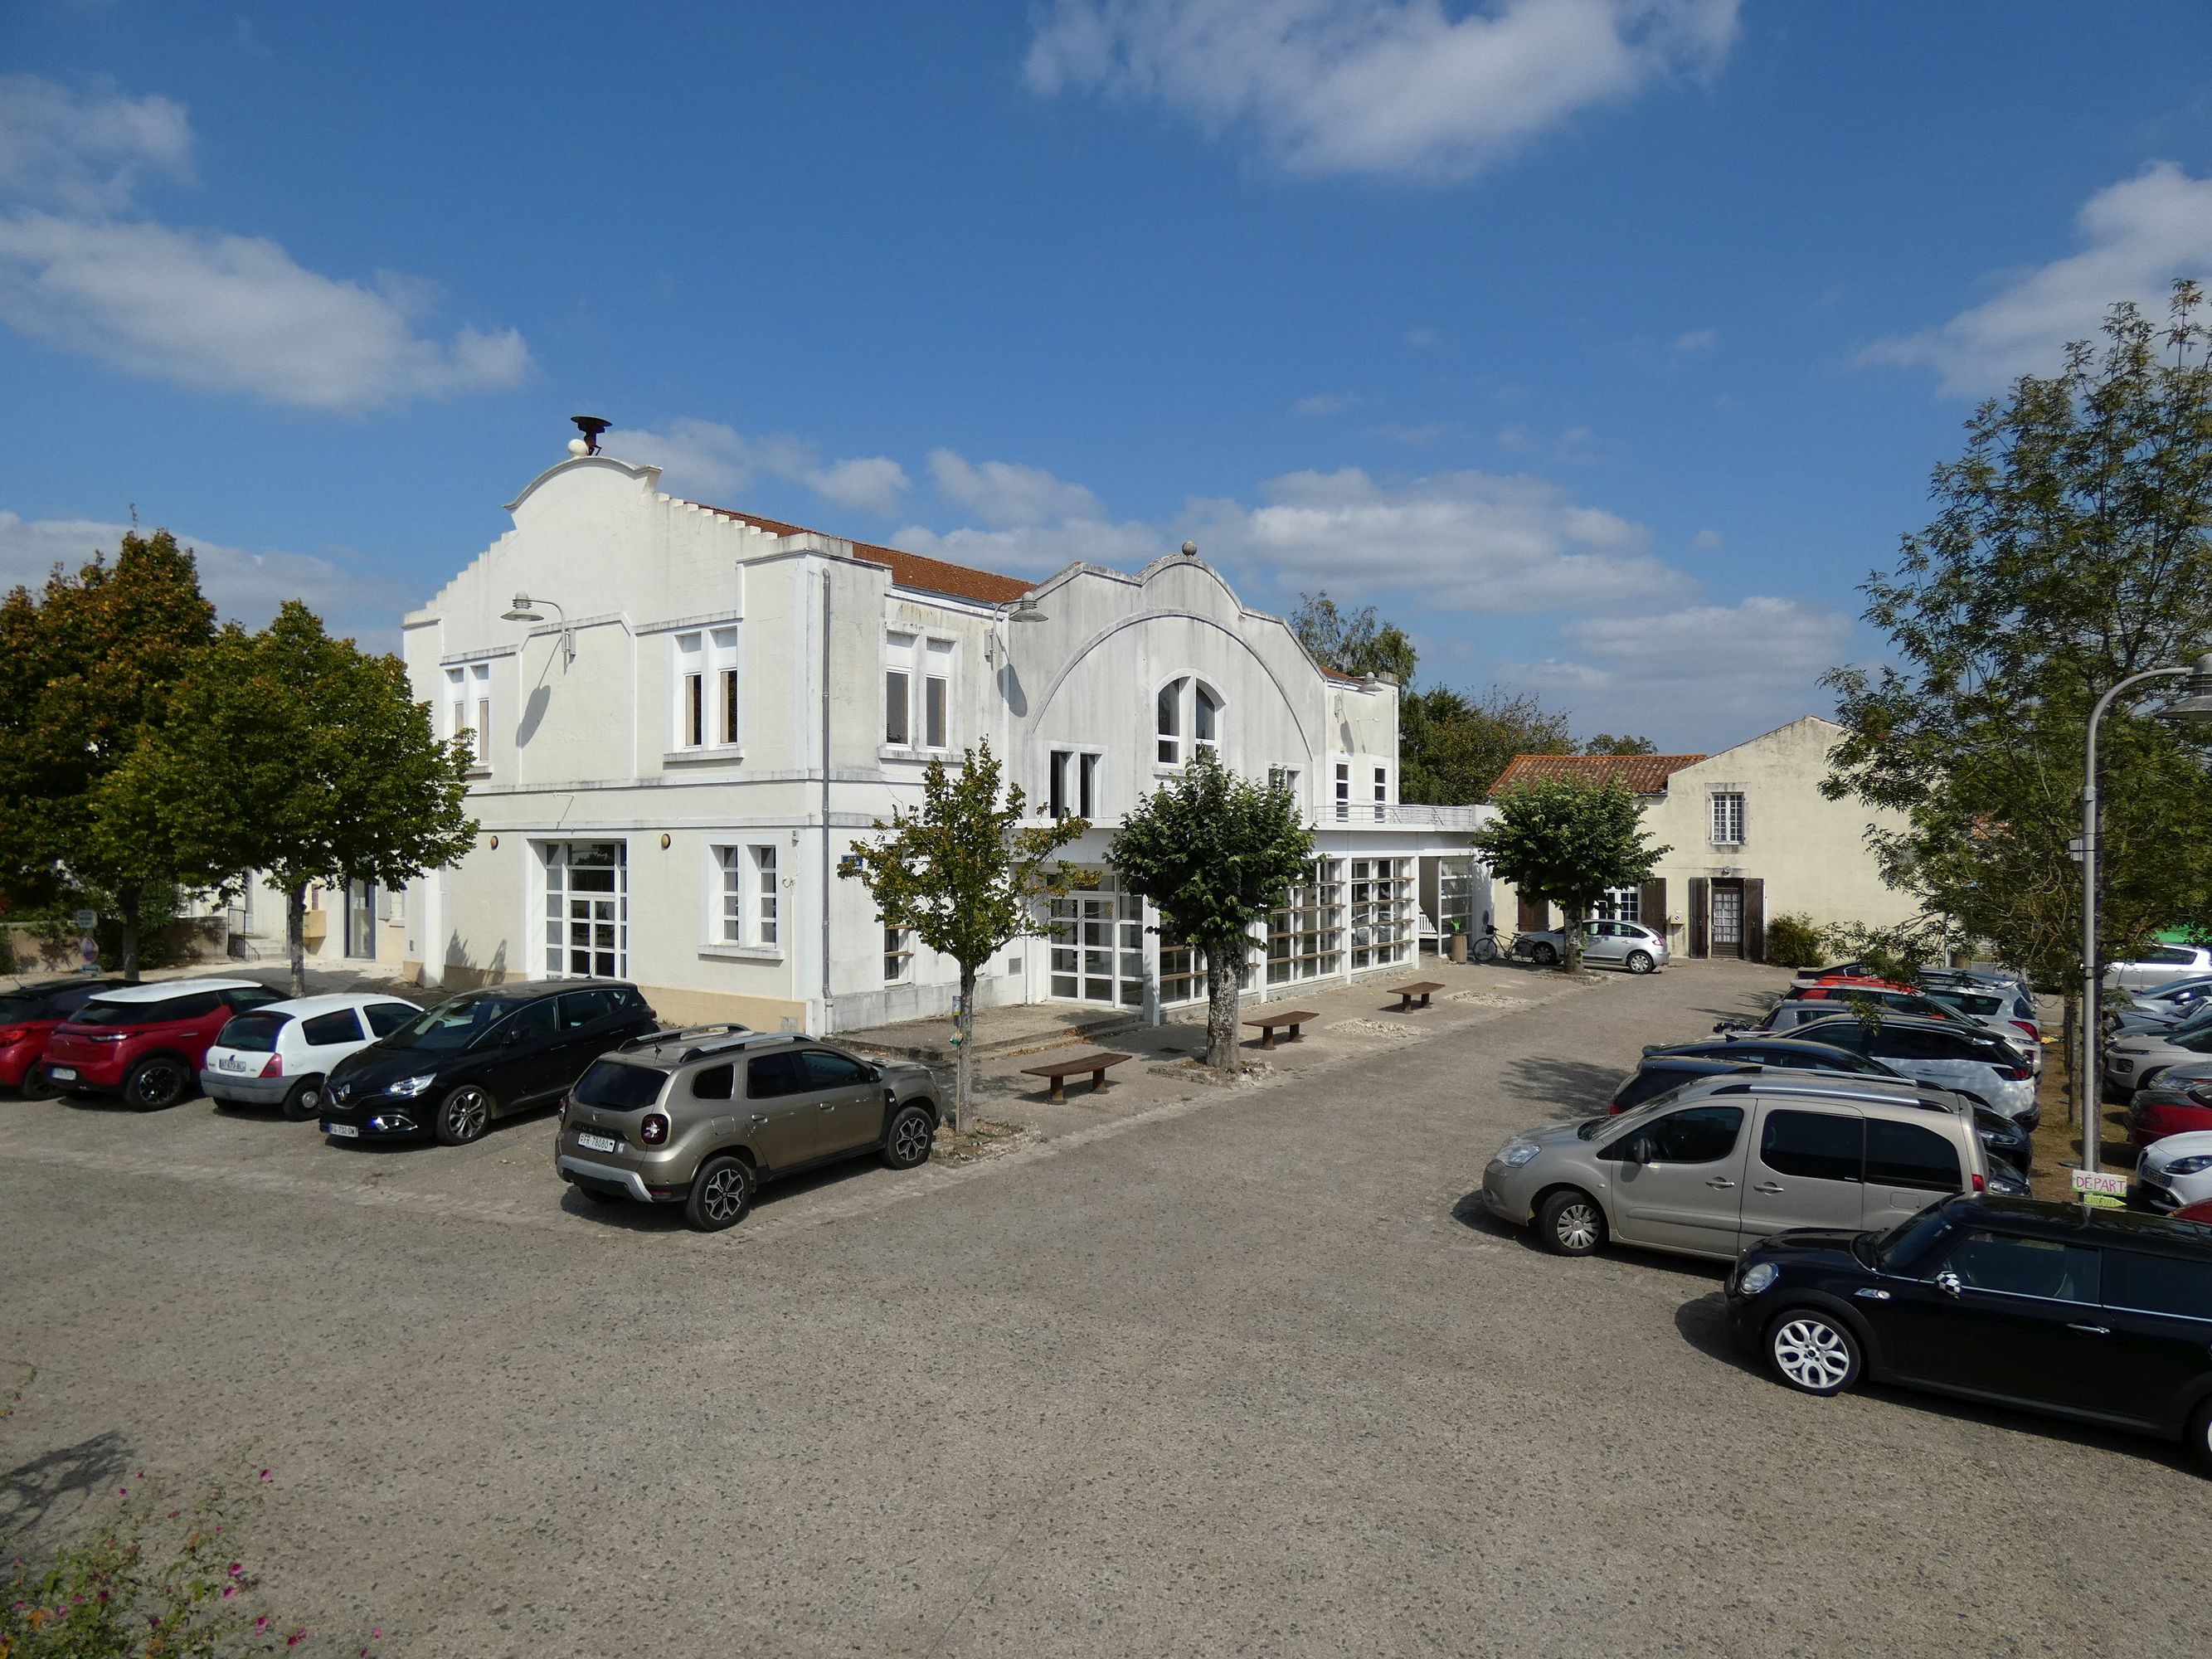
(1717, 1165)
(701, 1116)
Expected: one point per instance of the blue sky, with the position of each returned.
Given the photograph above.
(1606, 344)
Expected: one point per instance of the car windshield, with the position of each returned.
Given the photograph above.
(22, 1008)
(1591, 1128)
(619, 1088)
(253, 1034)
(450, 1026)
(1908, 1241)
(101, 1011)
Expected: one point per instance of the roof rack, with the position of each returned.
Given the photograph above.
(684, 1033)
(1777, 1080)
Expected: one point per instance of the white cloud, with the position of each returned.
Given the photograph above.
(1039, 549)
(2138, 235)
(708, 459)
(86, 153)
(348, 593)
(1704, 339)
(1324, 87)
(221, 312)
(1003, 493)
(1424, 339)
(1326, 402)
(1469, 541)
(1706, 538)
(1718, 673)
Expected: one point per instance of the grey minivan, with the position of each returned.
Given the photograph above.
(1720, 1163)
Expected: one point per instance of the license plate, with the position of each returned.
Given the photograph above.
(342, 1131)
(230, 1063)
(596, 1143)
(62, 1073)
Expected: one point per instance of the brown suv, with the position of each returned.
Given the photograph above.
(701, 1117)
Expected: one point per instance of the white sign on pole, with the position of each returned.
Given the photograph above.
(2111, 1186)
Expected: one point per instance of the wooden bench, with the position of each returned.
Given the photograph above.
(1060, 1070)
(1423, 989)
(1292, 1018)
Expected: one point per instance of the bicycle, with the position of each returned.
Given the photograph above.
(1486, 948)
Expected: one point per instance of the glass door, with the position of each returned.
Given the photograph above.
(1098, 948)
(587, 909)
(360, 920)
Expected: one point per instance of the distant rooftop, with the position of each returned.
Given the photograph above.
(907, 569)
(1645, 775)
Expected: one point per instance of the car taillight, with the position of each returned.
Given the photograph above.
(13, 1033)
(2015, 1073)
(2022, 1025)
(654, 1130)
(1980, 1185)
(274, 1067)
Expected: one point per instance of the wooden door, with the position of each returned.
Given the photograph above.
(1726, 933)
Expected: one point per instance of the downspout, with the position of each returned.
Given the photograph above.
(827, 875)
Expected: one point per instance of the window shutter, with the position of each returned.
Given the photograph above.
(1755, 918)
(1651, 906)
(1699, 919)
(1536, 914)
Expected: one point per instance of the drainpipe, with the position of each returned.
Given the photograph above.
(827, 874)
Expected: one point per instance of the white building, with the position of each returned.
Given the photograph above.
(709, 708)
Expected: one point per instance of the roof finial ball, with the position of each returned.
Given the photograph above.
(590, 425)
(1190, 550)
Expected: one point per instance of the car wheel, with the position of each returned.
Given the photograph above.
(463, 1114)
(36, 1085)
(2200, 1435)
(1639, 961)
(1544, 955)
(907, 1143)
(1812, 1352)
(1570, 1223)
(157, 1083)
(721, 1192)
(305, 1100)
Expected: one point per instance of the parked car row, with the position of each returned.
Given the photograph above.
(696, 1118)
(1860, 1157)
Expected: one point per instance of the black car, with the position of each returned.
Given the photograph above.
(455, 1068)
(2101, 1315)
(1660, 1072)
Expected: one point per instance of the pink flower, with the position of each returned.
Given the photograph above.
(261, 1623)
(230, 1590)
(264, 1474)
(378, 1633)
(236, 1568)
(296, 1637)
(123, 1492)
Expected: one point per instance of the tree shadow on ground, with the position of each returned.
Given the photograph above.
(62, 1478)
(1568, 1088)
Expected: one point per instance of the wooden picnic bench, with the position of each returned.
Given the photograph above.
(1292, 1018)
(1423, 989)
(1060, 1070)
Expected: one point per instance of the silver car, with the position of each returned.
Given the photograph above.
(1724, 1162)
(1627, 945)
(2159, 964)
(2136, 1058)
(1950, 1054)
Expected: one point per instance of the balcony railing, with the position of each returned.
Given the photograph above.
(1403, 817)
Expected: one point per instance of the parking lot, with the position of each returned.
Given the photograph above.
(1249, 1373)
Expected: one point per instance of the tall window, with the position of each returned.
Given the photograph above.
(1074, 789)
(1285, 778)
(1380, 895)
(1621, 904)
(707, 689)
(898, 956)
(1381, 793)
(1305, 936)
(587, 909)
(1343, 791)
(1087, 785)
(1205, 720)
(765, 896)
(468, 696)
(898, 690)
(936, 688)
(1170, 723)
(1728, 819)
(748, 895)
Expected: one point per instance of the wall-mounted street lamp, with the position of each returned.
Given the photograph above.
(2195, 709)
(526, 610)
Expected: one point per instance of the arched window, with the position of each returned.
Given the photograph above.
(1205, 719)
(1170, 723)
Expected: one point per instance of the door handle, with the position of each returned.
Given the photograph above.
(825, 1105)
(760, 1118)
(2092, 1330)
(1720, 1181)
(1766, 1187)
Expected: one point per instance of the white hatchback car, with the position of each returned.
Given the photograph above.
(2159, 965)
(2175, 1171)
(280, 1055)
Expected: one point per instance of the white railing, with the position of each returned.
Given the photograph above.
(1407, 817)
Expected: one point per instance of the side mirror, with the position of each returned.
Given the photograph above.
(1949, 1283)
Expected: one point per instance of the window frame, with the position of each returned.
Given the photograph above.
(898, 955)
(1722, 819)
(743, 897)
(898, 688)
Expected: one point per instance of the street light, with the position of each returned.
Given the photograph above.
(2194, 709)
(526, 610)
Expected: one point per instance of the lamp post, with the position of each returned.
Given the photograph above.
(524, 609)
(2195, 709)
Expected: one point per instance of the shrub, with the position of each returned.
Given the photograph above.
(1794, 941)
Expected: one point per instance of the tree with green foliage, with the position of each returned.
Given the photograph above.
(1566, 840)
(89, 667)
(1605, 744)
(1452, 748)
(2069, 550)
(301, 757)
(1214, 853)
(1358, 642)
(965, 877)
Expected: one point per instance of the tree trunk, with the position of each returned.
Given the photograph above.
(296, 936)
(127, 897)
(963, 1063)
(1571, 941)
(1224, 969)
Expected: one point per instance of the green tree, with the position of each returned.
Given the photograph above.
(1605, 744)
(301, 757)
(2069, 551)
(88, 667)
(1566, 840)
(1452, 748)
(965, 877)
(1358, 642)
(1215, 853)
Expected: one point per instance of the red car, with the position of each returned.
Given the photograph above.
(27, 1014)
(2169, 1108)
(2200, 1211)
(146, 1043)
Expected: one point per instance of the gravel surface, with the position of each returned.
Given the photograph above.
(1246, 1373)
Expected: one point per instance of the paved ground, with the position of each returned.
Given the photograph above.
(1243, 1375)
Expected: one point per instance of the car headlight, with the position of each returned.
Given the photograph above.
(2196, 1164)
(408, 1087)
(1515, 1153)
(1756, 1276)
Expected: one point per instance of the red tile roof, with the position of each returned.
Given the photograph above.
(907, 569)
(1646, 774)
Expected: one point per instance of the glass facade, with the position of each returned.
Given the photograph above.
(1305, 938)
(1099, 947)
(1382, 901)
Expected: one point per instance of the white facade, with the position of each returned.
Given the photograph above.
(713, 708)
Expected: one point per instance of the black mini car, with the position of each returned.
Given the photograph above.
(455, 1068)
(2101, 1315)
